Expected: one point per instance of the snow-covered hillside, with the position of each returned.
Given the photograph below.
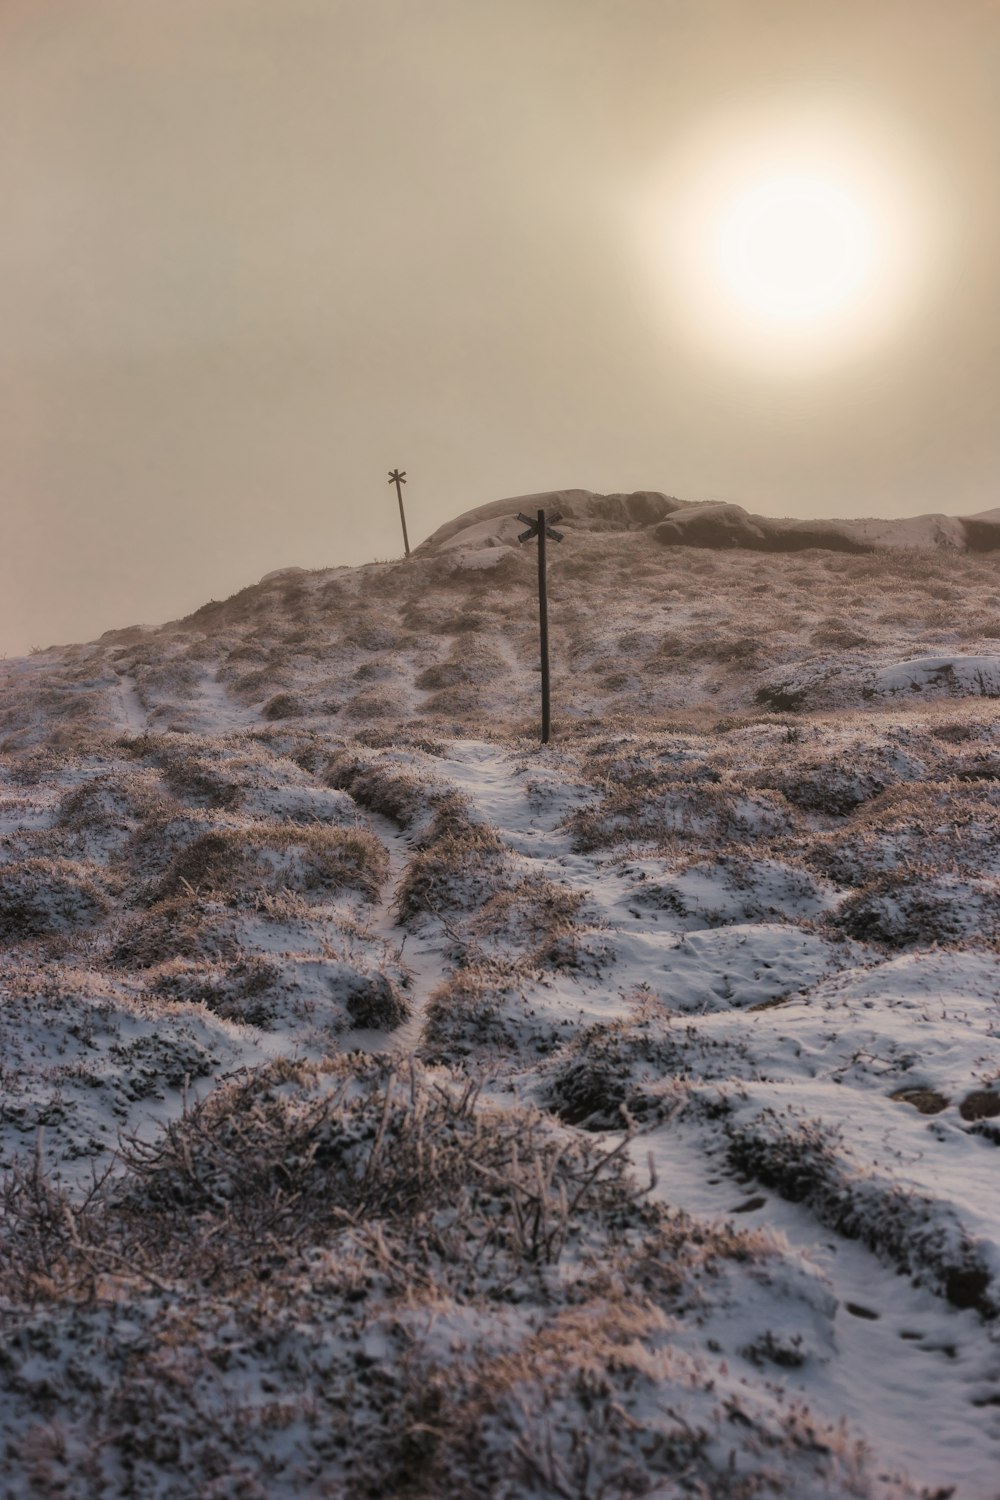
(393, 1106)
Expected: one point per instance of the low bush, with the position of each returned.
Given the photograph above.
(242, 991)
(237, 864)
(46, 897)
(458, 870)
(283, 706)
(186, 927)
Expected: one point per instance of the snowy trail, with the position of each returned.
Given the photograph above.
(423, 961)
(909, 1372)
(483, 773)
(220, 710)
(132, 714)
(500, 793)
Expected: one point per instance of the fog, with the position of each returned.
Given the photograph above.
(257, 252)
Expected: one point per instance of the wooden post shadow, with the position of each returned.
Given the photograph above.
(542, 528)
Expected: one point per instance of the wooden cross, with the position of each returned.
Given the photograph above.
(398, 478)
(542, 528)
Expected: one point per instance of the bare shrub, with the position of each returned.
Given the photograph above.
(357, 1135)
(44, 897)
(283, 706)
(461, 866)
(241, 991)
(905, 910)
(378, 786)
(234, 864)
(186, 927)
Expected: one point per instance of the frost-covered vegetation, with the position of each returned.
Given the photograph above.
(391, 1107)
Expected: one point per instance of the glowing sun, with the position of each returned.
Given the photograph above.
(788, 241)
(795, 247)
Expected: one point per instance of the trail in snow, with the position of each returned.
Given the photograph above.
(908, 1369)
(912, 1373)
(132, 714)
(220, 710)
(421, 957)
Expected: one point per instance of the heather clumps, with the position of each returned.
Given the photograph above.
(395, 1204)
(236, 864)
(42, 898)
(459, 866)
(392, 1105)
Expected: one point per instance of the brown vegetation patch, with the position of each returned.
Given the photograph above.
(242, 991)
(981, 1104)
(674, 813)
(200, 781)
(456, 871)
(802, 1161)
(465, 1015)
(533, 911)
(235, 864)
(906, 909)
(927, 1101)
(46, 897)
(374, 1003)
(834, 787)
(283, 706)
(183, 928)
(379, 786)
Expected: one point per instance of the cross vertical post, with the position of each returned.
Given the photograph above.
(540, 528)
(398, 478)
(543, 626)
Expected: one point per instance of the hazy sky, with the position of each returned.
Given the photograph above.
(256, 252)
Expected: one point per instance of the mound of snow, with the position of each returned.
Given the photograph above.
(721, 525)
(496, 523)
(732, 968)
(716, 524)
(946, 676)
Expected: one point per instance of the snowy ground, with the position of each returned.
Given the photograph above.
(619, 1118)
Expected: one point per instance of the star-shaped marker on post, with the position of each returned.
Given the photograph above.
(398, 478)
(533, 526)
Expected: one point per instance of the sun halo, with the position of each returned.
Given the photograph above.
(789, 246)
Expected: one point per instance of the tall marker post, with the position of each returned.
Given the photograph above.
(542, 528)
(398, 478)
